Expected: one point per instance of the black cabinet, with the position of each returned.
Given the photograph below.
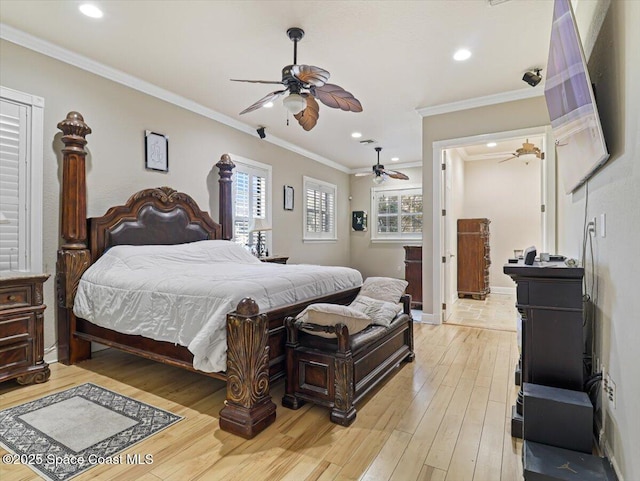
(549, 299)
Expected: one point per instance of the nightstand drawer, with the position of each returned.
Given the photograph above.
(18, 296)
(16, 355)
(16, 327)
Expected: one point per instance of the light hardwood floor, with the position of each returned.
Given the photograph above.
(444, 417)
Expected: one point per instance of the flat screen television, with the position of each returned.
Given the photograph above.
(575, 122)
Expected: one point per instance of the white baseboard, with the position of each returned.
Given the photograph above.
(503, 290)
(428, 318)
(608, 452)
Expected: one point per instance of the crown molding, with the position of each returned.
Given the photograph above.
(391, 165)
(493, 99)
(49, 49)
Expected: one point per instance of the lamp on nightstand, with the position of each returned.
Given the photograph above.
(259, 226)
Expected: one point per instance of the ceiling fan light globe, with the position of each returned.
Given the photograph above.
(378, 179)
(295, 103)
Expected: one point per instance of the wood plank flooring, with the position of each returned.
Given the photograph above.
(444, 417)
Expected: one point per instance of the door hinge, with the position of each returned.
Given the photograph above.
(543, 208)
(444, 166)
(444, 306)
(444, 259)
(444, 212)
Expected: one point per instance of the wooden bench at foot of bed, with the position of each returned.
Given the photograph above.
(339, 372)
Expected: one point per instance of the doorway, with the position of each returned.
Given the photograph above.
(448, 205)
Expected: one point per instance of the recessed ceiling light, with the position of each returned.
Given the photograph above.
(268, 105)
(90, 10)
(491, 144)
(395, 159)
(462, 54)
(356, 135)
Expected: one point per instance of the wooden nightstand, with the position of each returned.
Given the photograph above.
(21, 328)
(275, 259)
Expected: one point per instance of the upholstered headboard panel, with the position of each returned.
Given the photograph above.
(151, 217)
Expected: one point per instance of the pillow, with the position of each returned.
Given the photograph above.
(380, 312)
(385, 289)
(332, 314)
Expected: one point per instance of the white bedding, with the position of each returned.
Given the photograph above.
(182, 293)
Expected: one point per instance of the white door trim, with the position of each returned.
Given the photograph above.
(548, 192)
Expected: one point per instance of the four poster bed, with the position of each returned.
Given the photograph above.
(255, 341)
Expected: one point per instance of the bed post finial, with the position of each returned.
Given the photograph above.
(74, 188)
(73, 255)
(225, 167)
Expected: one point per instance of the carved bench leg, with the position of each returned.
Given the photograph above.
(248, 408)
(290, 400)
(343, 412)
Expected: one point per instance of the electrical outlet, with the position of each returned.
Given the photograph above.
(610, 390)
(591, 226)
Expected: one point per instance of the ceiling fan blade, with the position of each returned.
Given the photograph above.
(258, 81)
(508, 158)
(267, 98)
(336, 97)
(308, 118)
(310, 75)
(394, 174)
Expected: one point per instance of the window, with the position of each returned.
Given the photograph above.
(251, 200)
(21, 152)
(397, 214)
(319, 210)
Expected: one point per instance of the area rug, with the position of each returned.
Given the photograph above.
(62, 435)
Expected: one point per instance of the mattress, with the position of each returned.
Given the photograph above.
(182, 293)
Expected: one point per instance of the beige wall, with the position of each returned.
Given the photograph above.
(377, 259)
(119, 116)
(503, 117)
(508, 194)
(614, 67)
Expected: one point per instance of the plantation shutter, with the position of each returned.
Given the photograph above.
(13, 185)
(319, 210)
(398, 214)
(250, 202)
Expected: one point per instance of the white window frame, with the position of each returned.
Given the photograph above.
(410, 238)
(310, 182)
(252, 166)
(30, 248)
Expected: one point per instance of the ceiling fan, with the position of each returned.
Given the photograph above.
(381, 173)
(526, 149)
(305, 84)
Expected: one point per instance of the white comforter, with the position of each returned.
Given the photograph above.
(182, 293)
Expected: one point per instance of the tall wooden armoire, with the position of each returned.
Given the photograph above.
(473, 258)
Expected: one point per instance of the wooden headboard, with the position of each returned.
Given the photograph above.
(151, 217)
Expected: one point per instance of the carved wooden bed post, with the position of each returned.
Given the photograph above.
(73, 255)
(248, 407)
(225, 167)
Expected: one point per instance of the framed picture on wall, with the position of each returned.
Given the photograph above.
(288, 197)
(156, 150)
(359, 220)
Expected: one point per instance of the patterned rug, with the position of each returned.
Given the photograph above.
(62, 435)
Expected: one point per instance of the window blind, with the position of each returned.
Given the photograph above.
(320, 210)
(13, 186)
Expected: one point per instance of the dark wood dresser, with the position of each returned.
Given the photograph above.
(549, 300)
(21, 328)
(474, 258)
(413, 274)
